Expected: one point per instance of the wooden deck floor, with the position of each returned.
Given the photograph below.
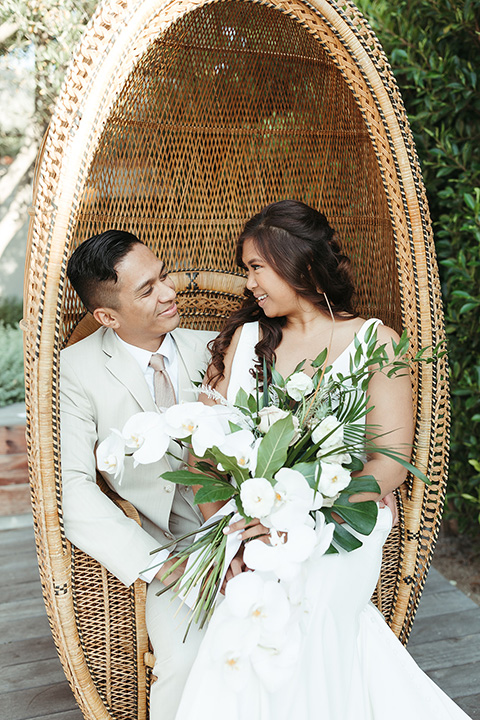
(445, 641)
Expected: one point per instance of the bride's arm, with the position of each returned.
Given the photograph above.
(392, 413)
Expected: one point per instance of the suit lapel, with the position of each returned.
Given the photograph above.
(186, 353)
(124, 367)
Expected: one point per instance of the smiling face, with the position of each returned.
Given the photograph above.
(144, 308)
(273, 294)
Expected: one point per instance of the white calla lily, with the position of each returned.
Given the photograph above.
(111, 455)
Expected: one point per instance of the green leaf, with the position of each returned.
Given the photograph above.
(272, 451)
(230, 465)
(365, 483)
(213, 492)
(320, 359)
(241, 399)
(186, 477)
(342, 536)
(361, 516)
(401, 460)
(308, 470)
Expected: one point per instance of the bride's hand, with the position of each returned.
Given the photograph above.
(253, 529)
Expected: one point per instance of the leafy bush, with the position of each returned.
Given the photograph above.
(434, 49)
(11, 311)
(11, 365)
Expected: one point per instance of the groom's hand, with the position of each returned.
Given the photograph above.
(236, 567)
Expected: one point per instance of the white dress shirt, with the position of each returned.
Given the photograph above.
(169, 352)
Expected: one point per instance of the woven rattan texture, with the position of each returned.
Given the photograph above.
(178, 121)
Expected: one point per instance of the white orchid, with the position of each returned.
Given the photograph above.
(264, 602)
(239, 445)
(285, 555)
(204, 423)
(298, 385)
(273, 665)
(333, 478)
(233, 641)
(294, 499)
(257, 496)
(111, 455)
(145, 434)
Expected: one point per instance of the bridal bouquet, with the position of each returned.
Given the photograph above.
(284, 454)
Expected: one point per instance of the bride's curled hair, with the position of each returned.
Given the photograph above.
(299, 244)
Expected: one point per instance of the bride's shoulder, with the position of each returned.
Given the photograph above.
(360, 325)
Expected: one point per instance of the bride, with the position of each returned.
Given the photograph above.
(349, 665)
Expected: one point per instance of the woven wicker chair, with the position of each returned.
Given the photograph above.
(178, 121)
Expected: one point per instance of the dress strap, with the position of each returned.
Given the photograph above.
(243, 360)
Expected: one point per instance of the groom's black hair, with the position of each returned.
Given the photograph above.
(91, 268)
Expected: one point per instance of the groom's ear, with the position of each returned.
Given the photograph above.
(106, 317)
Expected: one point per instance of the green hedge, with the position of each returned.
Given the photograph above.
(11, 365)
(434, 50)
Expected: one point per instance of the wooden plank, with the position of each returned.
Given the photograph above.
(447, 653)
(37, 702)
(16, 538)
(26, 608)
(437, 583)
(453, 625)
(26, 591)
(470, 704)
(24, 650)
(442, 603)
(26, 675)
(458, 681)
(19, 576)
(31, 627)
(68, 715)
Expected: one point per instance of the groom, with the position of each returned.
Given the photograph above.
(105, 379)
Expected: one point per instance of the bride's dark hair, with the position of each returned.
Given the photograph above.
(299, 244)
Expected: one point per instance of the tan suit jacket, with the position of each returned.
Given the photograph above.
(101, 386)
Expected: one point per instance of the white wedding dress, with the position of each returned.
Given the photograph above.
(350, 666)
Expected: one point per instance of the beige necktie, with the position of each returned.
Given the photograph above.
(164, 392)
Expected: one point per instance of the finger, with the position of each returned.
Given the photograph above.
(258, 531)
(235, 527)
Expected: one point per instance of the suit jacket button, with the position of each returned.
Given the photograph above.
(168, 488)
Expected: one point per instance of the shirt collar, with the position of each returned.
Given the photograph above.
(142, 356)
